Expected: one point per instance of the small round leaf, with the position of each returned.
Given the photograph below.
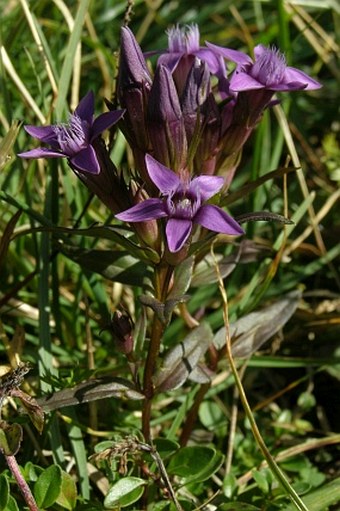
(48, 486)
(124, 492)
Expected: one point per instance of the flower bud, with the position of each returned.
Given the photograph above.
(134, 84)
(147, 231)
(121, 330)
(202, 118)
(165, 121)
(107, 185)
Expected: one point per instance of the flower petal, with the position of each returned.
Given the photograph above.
(105, 121)
(150, 209)
(165, 179)
(217, 220)
(214, 61)
(177, 232)
(45, 134)
(42, 152)
(241, 81)
(86, 160)
(206, 186)
(234, 55)
(295, 75)
(169, 60)
(85, 109)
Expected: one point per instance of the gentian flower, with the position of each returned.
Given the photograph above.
(183, 47)
(268, 71)
(182, 204)
(254, 84)
(75, 139)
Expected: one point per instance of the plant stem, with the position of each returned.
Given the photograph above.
(162, 279)
(193, 413)
(24, 488)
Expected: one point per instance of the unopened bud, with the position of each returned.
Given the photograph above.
(121, 329)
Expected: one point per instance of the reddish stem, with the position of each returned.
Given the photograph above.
(24, 488)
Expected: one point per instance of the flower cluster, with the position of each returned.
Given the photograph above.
(186, 125)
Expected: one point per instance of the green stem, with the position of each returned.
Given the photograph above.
(162, 280)
(277, 472)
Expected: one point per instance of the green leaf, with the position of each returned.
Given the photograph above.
(68, 493)
(230, 485)
(12, 504)
(10, 438)
(261, 478)
(4, 492)
(165, 447)
(238, 506)
(117, 266)
(68, 64)
(48, 486)
(205, 270)
(90, 390)
(322, 498)
(124, 492)
(211, 415)
(195, 463)
(182, 359)
(182, 278)
(7, 142)
(252, 330)
(7, 236)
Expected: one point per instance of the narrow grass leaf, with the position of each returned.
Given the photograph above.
(67, 69)
(322, 498)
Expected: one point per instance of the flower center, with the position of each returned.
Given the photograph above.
(269, 68)
(74, 136)
(183, 203)
(183, 40)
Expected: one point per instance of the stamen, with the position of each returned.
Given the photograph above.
(183, 40)
(269, 68)
(72, 137)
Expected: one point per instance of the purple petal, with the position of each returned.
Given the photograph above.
(45, 134)
(242, 81)
(234, 55)
(42, 152)
(169, 60)
(85, 109)
(165, 179)
(286, 87)
(259, 50)
(295, 75)
(215, 219)
(105, 121)
(177, 233)
(150, 209)
(86, 160)
(206, 186)
(214, 62)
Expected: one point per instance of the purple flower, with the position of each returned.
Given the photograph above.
(182, 204)
(183, 47)
(268, 71)
(75, 139)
